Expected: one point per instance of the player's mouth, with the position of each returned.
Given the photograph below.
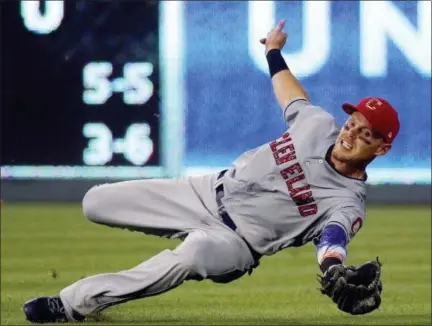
(346, 145)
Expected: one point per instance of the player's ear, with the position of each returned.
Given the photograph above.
(383, 149)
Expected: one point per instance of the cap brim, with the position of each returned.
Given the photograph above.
(349, 108)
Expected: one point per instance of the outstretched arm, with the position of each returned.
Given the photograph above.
(355, 290)
(286, 87)
(331, 246)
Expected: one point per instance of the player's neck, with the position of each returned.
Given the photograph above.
(348, 170)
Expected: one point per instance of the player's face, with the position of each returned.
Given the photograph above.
(357, 142)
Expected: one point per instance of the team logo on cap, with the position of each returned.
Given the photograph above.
(373, 103)
(390, 135)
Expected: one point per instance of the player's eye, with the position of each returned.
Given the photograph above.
(364, 140)
(349, 125)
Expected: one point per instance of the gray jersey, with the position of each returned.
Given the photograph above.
(284, 193)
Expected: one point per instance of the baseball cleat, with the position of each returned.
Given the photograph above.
(45, 310)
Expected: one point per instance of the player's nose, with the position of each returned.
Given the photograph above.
(352, 133)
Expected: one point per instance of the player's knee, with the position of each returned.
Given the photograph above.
(192, 262)
(193, 268)
(197, 267)
(93, 203)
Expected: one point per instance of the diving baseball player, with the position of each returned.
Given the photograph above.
(306, 186)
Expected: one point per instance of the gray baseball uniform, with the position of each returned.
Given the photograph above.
(278, 195)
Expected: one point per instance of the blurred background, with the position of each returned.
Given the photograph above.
(113, 90)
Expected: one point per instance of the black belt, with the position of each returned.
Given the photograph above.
(225, 216)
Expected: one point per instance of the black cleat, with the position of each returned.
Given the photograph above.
(45, 310)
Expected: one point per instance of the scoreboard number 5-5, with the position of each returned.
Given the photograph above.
(135, 84)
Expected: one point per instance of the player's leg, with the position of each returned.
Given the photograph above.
(214, 253)
(162, 207)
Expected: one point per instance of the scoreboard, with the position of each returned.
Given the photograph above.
(90, 89)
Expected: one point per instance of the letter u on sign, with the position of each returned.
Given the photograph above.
(316, 36)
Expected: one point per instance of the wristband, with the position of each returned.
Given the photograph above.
(275, 62)
(328, 262)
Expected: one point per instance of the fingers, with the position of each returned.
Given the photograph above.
(280, 25)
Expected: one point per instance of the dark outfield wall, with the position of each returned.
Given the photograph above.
(73, 191)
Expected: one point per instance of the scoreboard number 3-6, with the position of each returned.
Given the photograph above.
(136, 146)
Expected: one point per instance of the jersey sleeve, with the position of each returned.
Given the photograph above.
(305, 119)
(350, 218)
(300, 110)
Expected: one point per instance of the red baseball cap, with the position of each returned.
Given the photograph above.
(380, 114)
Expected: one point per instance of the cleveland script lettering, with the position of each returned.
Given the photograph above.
(283, 152)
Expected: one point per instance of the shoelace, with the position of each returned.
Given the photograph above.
(56, 306)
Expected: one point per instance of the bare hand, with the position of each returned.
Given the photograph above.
(276, 38)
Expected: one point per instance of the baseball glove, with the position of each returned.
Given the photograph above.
(355, 290)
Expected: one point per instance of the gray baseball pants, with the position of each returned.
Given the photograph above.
(177, 208)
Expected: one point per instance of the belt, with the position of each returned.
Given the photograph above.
(221, 209)
(226, 219)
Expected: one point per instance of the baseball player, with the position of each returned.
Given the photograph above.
(306, 186)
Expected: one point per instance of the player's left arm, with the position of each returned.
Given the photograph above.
(285, 85)
(289, 92)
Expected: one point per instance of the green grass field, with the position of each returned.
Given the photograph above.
(46, 247)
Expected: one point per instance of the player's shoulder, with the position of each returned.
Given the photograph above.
(301, 107)
(307, 119)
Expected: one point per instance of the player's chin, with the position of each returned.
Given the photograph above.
(343, 156)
